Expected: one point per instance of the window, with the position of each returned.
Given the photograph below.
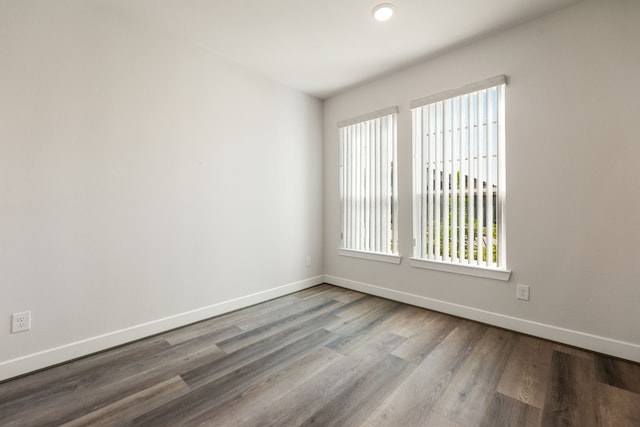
(459, 180)
(368, 189)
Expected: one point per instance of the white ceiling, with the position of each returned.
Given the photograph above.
(324, 46)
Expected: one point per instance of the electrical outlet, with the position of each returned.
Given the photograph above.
(308, 261)
(522, 292)
(20, 322)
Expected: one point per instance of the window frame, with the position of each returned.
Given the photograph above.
(391, 254)
(442, 260)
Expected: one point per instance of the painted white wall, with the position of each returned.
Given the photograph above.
(573, 199)
(142, 178)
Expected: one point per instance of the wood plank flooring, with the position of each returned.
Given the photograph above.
(327, 356)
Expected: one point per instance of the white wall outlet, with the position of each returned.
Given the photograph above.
(522, 292)
(20, 322)
(308, 261)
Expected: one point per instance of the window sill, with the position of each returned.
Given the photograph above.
(469, 270)
(373, 256)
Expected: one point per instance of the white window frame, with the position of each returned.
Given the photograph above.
(444, 127)
(369, 186)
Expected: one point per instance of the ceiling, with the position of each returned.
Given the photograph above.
(323, 47)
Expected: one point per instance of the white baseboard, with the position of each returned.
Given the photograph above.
(622, 349)
(53, 356)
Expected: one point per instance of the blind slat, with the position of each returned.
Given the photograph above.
(479, 175)
(491, 169)
(454, 181)
(446, 174)
(500, 214)
(461, 180)
(379, 246)
(471, 202)
(366, 170)
(438, 180)
(429, 183)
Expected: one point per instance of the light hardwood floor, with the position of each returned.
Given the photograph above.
(327, 356)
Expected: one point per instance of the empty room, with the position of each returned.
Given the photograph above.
(338, 213)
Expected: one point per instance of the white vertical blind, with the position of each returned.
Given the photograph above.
(458, 166)
(368, 191)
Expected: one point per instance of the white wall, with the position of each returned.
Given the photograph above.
(573, 150)
(144, 183)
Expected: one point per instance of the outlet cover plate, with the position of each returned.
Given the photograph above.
(522, 292)
(20, 322)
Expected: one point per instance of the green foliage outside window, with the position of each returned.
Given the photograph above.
(463, 231)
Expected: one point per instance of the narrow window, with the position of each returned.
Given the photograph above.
(459, 179)
(368, 192)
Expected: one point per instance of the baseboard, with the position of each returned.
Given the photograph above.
(622, 349)
(33, 362)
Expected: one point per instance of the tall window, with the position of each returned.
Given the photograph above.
(459, 180)
(368, 191)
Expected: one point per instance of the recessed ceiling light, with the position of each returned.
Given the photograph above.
(383, 12)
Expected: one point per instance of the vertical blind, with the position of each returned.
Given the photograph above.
(458, 175)
(367, 182)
